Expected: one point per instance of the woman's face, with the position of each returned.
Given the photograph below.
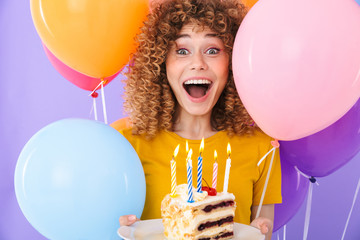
(197, 69)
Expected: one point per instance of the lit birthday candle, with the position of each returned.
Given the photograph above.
(199, 167)
(189, 177)
(173, 171)
(187, 147)
(227, 169)
(215, 171)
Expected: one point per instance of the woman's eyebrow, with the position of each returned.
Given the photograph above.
(188, 36)
(182, 36)
(211, 35)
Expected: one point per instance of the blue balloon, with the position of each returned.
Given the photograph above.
(75, 178)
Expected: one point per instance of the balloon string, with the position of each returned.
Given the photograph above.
(95, 110)
(284, 233)
(102, 81)
(262, 159)
(94, 95)
(266, 181)
(307, 176)
(308, 212)
(352, 206)
(103, 101)
(308, 203)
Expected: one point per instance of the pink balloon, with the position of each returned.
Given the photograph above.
(296, 64)
(82, 81)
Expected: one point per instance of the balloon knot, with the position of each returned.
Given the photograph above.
(94, 94)
(275, 143)
(312, 180)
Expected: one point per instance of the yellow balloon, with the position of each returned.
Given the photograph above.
(94, 37)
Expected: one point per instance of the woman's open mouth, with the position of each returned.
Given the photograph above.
(197, 88)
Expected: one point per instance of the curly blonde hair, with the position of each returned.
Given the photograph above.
(149, 99)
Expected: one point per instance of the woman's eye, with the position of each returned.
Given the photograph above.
(182, 51)
(212, 51)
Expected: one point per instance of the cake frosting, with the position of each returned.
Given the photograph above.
(209, 217)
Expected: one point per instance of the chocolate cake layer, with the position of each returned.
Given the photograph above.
(220, 236)
(209, 208)
(220, 222)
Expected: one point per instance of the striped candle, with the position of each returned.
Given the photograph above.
(215, 171)
(189, 177)
(173, 177)
(173, 172)
(199, 169)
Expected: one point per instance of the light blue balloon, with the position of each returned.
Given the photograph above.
(75, 178)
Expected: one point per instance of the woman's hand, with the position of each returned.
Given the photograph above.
(265, 221)
(127, 220)
(264, 224)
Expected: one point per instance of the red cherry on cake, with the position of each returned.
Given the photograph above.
(211, 191)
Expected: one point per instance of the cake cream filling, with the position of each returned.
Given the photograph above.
(190, 223)
(203, 218)
(208, 232)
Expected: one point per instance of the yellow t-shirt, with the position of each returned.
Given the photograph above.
(246, 178)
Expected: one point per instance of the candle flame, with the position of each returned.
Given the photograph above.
(176, 151)
(187, 147)
(228, 149)
(202, 146)
(215, 155)
(189, 154)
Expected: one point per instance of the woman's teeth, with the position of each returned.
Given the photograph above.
(197, 88)
(197, 81)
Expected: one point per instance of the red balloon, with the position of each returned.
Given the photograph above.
(81, 80)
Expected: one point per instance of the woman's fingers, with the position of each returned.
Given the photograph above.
(264, 229)
(263, 224)
(127, 220)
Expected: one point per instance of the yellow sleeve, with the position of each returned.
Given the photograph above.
(273, 190)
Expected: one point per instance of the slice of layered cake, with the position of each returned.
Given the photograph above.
(209, 217)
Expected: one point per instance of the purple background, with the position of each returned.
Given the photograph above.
(33, 94)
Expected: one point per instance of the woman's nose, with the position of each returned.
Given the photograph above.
(198, 62)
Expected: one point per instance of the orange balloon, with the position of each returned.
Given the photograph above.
(249, 3)
(122, 123)
(93, 37)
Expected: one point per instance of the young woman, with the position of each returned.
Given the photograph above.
(180, 88)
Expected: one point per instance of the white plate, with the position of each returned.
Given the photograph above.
(153, 229)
